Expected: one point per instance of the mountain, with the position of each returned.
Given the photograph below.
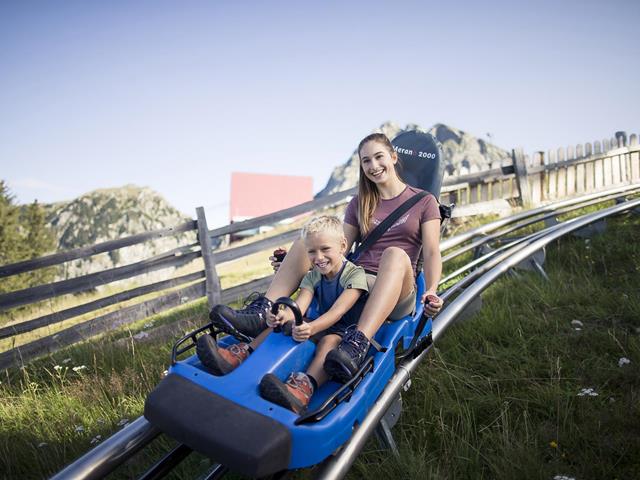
(108, 214)
(462, 153)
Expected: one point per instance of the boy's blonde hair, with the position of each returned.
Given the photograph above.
(324, 224)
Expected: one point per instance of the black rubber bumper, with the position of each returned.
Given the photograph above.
(243, 440)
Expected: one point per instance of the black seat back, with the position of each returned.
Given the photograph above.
(422, 160)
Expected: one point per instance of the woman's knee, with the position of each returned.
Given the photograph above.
(395, 257)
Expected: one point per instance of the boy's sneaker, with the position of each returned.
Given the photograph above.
(220, 361)
(342, 363)
(294, 394)
(250, 320)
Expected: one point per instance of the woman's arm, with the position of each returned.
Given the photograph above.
(432, 262)
(351, 233)
(341, 306)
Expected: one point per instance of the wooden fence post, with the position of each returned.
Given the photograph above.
(213, 282)
(520, 167)
(537, 179)
(634, 159)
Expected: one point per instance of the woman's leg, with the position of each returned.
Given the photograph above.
(394, 282)
(288, 277)
(325, 345)
(251, 320)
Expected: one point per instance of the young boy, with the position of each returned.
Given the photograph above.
(338, 287)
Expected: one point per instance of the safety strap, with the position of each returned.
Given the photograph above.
(377, 232)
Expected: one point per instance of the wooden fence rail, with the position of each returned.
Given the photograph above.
(529, 180)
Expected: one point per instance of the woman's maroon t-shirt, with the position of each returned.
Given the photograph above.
(404, 233)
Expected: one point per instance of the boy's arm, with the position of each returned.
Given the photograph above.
(303, 301)
(343, 303)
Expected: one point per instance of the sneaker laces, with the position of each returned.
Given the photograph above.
(256, 303)
(300, 381)
(354, 343)
(238, 350)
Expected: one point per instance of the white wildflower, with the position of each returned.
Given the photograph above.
(588, 391)
(66, 360)
(140, 335)
(576, 324)
(563, 477)
(184, 299)
(79, 368)
(623, 361)
(57, 368)
(148, 325)
(79, 428)
(100, 421)
(96, 439)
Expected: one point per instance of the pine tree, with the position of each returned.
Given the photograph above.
(38, 240)
(24, 234)
(10, 237)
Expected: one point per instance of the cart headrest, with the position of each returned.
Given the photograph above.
(422, 160)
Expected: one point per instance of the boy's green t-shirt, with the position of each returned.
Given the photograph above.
(352, 277)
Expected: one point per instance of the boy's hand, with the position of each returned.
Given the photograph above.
(303, 332)
(275, 320)
(432, 303)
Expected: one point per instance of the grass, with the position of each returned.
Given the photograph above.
(497, 398)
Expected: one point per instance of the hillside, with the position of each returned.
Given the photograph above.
(112, 213)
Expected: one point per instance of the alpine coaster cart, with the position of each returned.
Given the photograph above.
(226, 419)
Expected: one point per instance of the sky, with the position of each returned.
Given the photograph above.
(177, 95)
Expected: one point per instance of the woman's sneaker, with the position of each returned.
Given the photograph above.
(343, 362)
(220, 361)
(294, 394)
(250, 320)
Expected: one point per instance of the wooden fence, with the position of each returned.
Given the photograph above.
(519, 178)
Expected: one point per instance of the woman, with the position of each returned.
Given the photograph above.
(390, 262)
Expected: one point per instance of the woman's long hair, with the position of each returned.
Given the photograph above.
(368, 195)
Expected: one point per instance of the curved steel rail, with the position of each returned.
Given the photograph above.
(459, 239)
(107, 456)
(104, 458)
(336, 467)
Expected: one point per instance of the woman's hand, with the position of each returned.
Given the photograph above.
(432, 303)
(302, 332)
(276, 320)
(277, 258)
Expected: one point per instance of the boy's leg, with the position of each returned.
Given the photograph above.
(393, 283)
(296, 392)
(325, 345)
(251, 320)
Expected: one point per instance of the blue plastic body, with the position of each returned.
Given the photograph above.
(281, 355)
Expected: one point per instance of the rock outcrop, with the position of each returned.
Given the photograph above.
(109, 214)
(463, 153)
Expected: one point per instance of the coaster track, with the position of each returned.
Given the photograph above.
(110, 454)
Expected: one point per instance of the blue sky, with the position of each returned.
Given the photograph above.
(177, 95)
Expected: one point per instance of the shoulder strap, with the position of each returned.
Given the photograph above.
(377, 232)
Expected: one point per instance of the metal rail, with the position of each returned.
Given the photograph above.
(459, 239)
(337, 467)
(104, 458)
